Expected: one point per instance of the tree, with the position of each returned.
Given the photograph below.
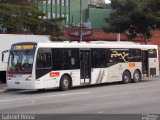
(137, 17)
(52, 27)
(24, 15)
(19, 15)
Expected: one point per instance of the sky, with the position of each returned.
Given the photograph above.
(107, 1)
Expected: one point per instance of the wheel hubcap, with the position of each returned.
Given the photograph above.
(126, 78)
(137, 76)
(65, 83)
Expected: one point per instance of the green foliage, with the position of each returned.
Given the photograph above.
(137, 17)
(24, 15)
(19, 15)
(52, 27)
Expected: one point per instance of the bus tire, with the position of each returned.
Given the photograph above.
(126, 77)
(136, 76)
(65, 83)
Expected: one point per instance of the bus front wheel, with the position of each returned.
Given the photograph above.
(126, 77)
(65, 83)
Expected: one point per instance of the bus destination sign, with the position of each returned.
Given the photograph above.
(24, 47)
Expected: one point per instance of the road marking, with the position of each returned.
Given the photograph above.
(58, 95)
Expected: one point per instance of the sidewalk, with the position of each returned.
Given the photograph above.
(2, 86)
(3, 89)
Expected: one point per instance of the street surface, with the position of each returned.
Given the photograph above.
(115, 98)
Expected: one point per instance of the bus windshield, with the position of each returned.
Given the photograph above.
(21, 61)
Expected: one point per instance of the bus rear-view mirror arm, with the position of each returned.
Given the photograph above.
(2, 58)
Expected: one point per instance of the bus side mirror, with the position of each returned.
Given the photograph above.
(2, 58)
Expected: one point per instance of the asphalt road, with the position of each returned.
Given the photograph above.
(116, 98)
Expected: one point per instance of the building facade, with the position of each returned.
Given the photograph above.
(70, 10)
(97, 2)
(97, 16)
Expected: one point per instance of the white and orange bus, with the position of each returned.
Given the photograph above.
(38, 65)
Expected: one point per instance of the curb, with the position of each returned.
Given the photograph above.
(2, 91)
(3, 88)
(6, 90)
(3, 85)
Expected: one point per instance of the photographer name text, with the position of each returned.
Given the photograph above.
(18, 117)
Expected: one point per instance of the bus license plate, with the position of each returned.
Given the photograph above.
(17, 76)
(17, 82)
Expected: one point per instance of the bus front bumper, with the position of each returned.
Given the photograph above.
(23, 85)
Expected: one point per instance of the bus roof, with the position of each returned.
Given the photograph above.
(93, 45)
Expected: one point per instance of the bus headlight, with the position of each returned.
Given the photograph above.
(29, 78)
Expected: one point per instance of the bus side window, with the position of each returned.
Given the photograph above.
(56, 58)
(152, 53)
(65, 59)
(135, 55)
(44, 58)
(74, 58)
(99, 58)
(70, 59)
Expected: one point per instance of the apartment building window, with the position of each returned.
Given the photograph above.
(49, 15)
(58, 15)
(67, 17)
(58, 2)
(67, 2)
(44, 17)
(63, 2)
(45, 1)
(54, 15)
(62, 15)
(49, 1)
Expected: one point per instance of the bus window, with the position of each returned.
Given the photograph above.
(56, 58)
(70, 59)
(74, 59)
(44, 58)
(118, 55)
(65, 59)
(152, 53)
(135, 55)
(99, 58)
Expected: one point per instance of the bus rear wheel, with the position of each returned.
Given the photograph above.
(136, 76)
(126, 77)
(65, 83)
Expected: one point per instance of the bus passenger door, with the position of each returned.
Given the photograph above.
(153, 64)
(145, 63)
(150, 66)
(85, 66)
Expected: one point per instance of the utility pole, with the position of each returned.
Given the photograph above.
(51, 9)
(69, 4)
(60, 9)
(81, 36)
(118, 37)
